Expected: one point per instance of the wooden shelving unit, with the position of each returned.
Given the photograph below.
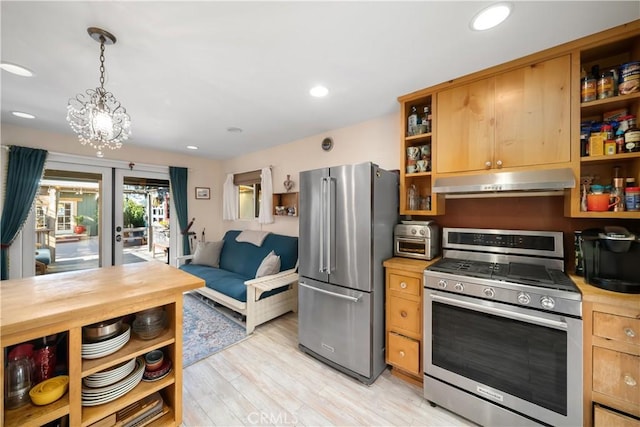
(40, 306)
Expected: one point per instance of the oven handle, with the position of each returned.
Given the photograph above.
(501, 312)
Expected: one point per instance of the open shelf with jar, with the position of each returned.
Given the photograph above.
(599, 161)
(416, 176)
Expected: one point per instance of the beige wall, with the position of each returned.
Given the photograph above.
(375, 140)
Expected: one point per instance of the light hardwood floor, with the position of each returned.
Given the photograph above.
(266, 380)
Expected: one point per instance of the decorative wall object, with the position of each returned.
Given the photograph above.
(288, 184)
(203, 193)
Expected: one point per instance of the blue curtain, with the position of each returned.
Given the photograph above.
(178, 177)
(24, 171)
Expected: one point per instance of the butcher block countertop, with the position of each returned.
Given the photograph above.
(31, 306)
(408, 264)
(594, 294)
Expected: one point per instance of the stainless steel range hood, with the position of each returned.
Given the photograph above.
(519, 181)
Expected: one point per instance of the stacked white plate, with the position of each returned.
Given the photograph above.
(101, 395)
(95, 350)
(111, 375)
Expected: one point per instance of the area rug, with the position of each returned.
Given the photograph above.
(206, 330)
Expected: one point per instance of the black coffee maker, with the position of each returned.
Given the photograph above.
(611, 259)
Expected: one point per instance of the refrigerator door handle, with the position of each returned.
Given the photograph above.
(322, 291)
(330, 229)
(323, 219)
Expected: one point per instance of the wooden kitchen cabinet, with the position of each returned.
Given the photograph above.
(404, 317)
(39, 306)
(518, 118)
(611, 343)
(620, 46)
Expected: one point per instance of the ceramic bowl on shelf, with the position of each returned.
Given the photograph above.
(153, 360)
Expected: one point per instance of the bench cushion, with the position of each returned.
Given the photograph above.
(225, 282)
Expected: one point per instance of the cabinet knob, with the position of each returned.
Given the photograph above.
(402, 354)
(403, 285)
(488, 165)
(630, 381)
(499, 163)
(403, 313)
(629, 332)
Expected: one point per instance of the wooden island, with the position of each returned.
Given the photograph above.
(36, 307)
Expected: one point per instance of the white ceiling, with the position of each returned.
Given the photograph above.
(187, 71)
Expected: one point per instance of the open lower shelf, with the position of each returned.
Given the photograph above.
(92, 414)
(33, 415)
(135, 347)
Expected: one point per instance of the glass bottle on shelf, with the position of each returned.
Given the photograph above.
(426, 118)
(414, 199)
(412, 122)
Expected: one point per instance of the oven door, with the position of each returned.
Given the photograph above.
(507, 361)
(412, 247)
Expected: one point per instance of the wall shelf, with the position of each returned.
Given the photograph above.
(286, 200)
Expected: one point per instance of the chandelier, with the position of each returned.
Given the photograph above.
(96, 115)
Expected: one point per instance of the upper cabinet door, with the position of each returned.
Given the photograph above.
(465, 127)
(532, 111)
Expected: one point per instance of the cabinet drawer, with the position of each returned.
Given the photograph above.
(404, 315)
(403, 353)
(603, 417)
(615, 327)
(616, 374)
(405, 284)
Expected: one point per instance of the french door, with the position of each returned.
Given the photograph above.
(143, 218)
(90, 193)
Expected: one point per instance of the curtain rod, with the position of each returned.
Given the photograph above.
(234, 173)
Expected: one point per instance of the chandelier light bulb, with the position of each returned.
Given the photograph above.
(95, 115)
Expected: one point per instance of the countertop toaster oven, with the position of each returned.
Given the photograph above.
(416, 239)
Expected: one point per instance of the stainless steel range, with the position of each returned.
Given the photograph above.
(503, 329)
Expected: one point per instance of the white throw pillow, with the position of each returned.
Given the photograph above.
(269, 265)
(208, 253)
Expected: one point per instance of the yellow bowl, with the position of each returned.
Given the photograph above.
(50, 390)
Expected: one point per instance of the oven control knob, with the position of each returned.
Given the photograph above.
(422, 231)
(489, 292)
(458, 287)
(442, 284)
(547, 302)
(413, 231)
(524, 298)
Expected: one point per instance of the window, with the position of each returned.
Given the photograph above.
(65, 212)
(249, 192)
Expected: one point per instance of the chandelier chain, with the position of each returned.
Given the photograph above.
(102, 64)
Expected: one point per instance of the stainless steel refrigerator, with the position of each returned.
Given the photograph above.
(347, 215)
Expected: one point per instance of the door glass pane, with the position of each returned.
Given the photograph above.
(67, 221)
(525, 360)
(145, 216)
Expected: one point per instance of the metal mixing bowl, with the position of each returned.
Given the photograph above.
(102, 330)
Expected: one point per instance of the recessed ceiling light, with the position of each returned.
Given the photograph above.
(233, 129)
(191, 147)
(23, 115)
(318, 91)
(491, 16)
(16, 69)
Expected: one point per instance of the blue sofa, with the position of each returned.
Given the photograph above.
(233, 283)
